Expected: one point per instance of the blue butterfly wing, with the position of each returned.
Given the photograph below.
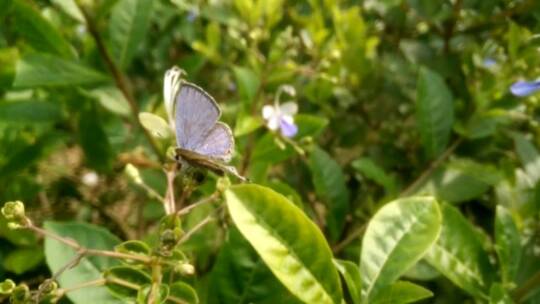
(218, 143)
(196, 114)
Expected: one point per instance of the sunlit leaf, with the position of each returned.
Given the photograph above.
(287, 241)
(458, 254)
(351, 273)
(397, 237)
(508, 244)
(156, 125)
(402, 292)
(22, 260)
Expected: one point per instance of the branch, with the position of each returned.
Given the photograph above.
(351, 237)
(434, 165)
(119, 78)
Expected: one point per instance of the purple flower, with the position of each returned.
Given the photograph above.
(192, 15)
(525, 88)
(489, 62)
(280, 116)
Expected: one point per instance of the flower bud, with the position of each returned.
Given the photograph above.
(133, 173)
(20, 295)
(48, 287)
(186, 269)
(14, 211)
(7, 287)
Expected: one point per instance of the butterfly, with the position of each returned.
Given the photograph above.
(202, 141)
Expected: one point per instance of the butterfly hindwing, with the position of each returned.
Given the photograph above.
(196, 113)
(218, 143)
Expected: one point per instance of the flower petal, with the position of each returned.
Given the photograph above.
(273, 123)
(289, 108)
(288, 128)
(525, 88)
(268, 111)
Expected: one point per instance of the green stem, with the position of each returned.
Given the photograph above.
(532, 283)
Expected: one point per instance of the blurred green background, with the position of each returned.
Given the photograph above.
(395, 97)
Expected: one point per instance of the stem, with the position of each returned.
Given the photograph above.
(97, 282)
(153, 297)
(434, 165)
(119, 78)
(197, 227)
(521, 293)
(123, 283)
(351, 237)
(203, 201)
(86, 251)
(169, 201)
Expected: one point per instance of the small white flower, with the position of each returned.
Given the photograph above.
(281, 116)
(171, 85)
(90, 179)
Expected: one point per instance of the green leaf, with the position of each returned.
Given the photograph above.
(241, 277)
(183, 292)
(35, 70)
(8, 60)
(499, 295)
(133, 247)
(129, 23)
(156, 125)
(287, 241)
(422, 271)
(529, 156)
(369, 169)
(112, 99)
(246, 124)
(310, 125)
(70, 8)
(397, 237)
(329, 183)
(247, 82)
(38, 32)
(351, 274)
(89, 268)
(508, 244)
(94, 141)
(402, 292)
(434, 112)
(118, 276)
(22, 260)
(29, 111)
(459, 255)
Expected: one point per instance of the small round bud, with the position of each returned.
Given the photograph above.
(48, 286)
(186, 269)
(20, 294)
(133, 173)
(7, 287)
(14, 211)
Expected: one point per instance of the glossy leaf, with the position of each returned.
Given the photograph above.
(397, 237)
(459, 255)
(287, 241)
(310, 125)
(38, 32)
(241, 277)
(112, 99)
(129, 23)
(181, 291)
(402, 292)
(508, 244)
(351, 273)
(89, 268)
(35, 70)
(434, 112)
(329, 182)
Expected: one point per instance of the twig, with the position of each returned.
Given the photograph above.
(119, 78)
(521, 293)
(197, 227)
(169, 201)
(351, 237)
(434, 165)
(203, 201)
(97, 282)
